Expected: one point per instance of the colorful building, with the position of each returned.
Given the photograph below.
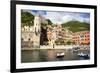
(82, 37)
(59, 34)
(50, 35)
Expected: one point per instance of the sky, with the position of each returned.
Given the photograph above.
(59, 17)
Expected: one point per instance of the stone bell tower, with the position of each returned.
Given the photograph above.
(37, 30)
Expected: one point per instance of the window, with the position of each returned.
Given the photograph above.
(29, 39)
(22, 39)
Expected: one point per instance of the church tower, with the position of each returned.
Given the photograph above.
(37, 30)
(37, 23)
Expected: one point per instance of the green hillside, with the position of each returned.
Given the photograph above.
(76, 26)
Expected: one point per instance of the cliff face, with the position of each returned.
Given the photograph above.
(43, 36)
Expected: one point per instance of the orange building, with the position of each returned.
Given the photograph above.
(50, 36)
(82, 37)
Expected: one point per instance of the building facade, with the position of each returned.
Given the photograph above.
(82, 37)
(57, 35)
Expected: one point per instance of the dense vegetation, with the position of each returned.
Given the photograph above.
(27, 18)
(46, 23)
(76, 26)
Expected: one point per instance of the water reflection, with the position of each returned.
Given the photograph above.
(50, 55)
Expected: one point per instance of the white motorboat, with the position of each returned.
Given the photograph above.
(83, 55)
(59, 55)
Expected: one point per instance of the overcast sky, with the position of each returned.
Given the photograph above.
(59, 17)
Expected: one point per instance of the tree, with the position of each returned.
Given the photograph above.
(27, 18)
(69, 43)
(49, 21)
(46, 22)
(57, 42)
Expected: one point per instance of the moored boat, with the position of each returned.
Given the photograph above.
(83, 55)
(60, 55)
